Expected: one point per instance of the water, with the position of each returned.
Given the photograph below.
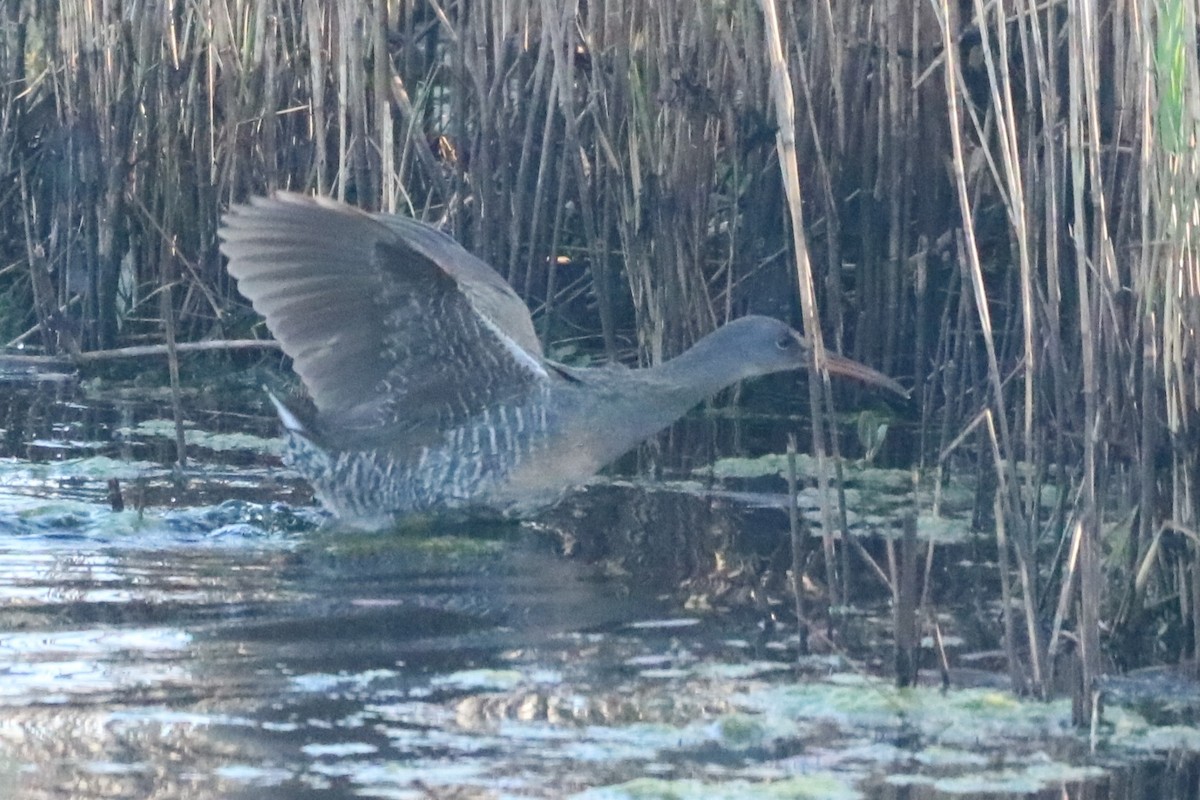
(221, 643)
(218, 661)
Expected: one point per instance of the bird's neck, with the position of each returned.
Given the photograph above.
(704, 369)
(673, 388)
(635, 404)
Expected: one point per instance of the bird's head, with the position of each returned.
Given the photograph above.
(764, 345)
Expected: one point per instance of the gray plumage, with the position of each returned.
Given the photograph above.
(430, 386)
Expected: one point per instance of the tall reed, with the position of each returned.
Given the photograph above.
(998, 200)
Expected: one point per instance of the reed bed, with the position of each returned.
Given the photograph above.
(999, 202)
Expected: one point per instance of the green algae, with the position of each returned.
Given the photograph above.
(13, 472)
(877, 498)
(209, 440)
(963, 717)
(812, 786)
(1126, 729)
(446, 548)
(772, 464)
(1018, 780)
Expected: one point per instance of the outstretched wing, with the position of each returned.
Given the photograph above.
(397, 332)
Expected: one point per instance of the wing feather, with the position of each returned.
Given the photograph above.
(398, 333)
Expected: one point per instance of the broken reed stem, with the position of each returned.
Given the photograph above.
(168, 316)
(139, 351)
(797, 529)
(1065, 593)
(1019, 678)
(923, 602)
(785, 145)
(1025, 569)
(907, 651)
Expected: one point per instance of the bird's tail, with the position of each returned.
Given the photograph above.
(291, 420)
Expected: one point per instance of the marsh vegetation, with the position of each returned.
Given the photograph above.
(999, 207)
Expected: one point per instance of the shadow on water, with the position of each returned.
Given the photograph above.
(220, 642)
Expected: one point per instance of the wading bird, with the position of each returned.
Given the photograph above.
(431, 390)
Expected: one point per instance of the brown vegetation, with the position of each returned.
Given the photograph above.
(1000, 200)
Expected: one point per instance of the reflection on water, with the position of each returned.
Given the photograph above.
(219, 643)
(123, 655)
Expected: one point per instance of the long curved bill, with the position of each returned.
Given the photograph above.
(848, 367)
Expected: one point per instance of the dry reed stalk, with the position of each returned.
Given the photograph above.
(418, 148)
(342, 68)
(1003, 452)
(1167, 283)
(785, 112)
(142, 351)
(1025, 569)
(316, 20)
(385, 143)
(540, 93)
(555, 239)
(834, 299)
(797, 530)
(563, 44)
(661, 133)
(548, 167)
(1015, 205)
(1083, 137)
(1066, 593)
(906, 606)
(168, 317)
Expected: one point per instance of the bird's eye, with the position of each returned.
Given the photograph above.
(785, 342)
